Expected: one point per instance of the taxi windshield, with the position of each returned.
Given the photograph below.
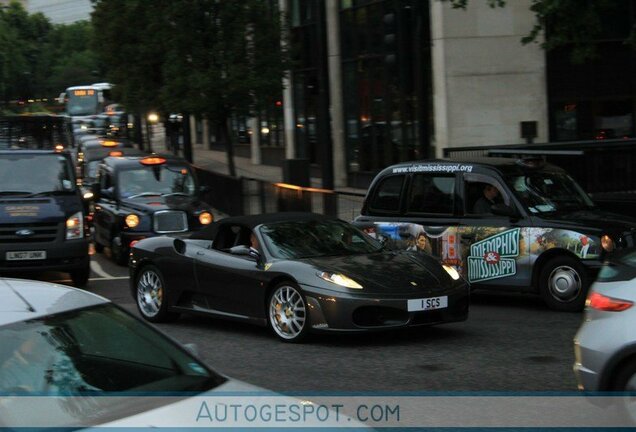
(305, 239)
(156, 180)
(549, 192)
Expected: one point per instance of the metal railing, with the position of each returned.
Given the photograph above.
(34, 131)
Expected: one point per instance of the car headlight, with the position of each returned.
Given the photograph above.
(75, 226)
(206, 218)
(451, 271)
(339, 279)
(607, 243)
(132, 220)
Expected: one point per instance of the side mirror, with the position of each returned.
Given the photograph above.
(108, 193)
(240, 250)
(503, 210)
(96, 189)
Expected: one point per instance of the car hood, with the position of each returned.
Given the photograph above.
(165, 411)
(200, 410)
(386, 273)
(595, 220)
(50, 209)
(150, 204)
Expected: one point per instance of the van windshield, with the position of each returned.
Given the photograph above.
(27, 174)
(549, 192)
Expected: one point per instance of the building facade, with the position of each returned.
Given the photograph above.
(415, 77)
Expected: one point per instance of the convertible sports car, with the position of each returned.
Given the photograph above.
(295, 272)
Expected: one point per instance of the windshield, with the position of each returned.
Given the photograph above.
(94, 350)
(549, 192)
(81, 102)
(305, 239)
(158, 180)
(98, 349)
(25, 174)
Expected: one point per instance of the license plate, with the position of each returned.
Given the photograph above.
(427, 304)
(26, 255)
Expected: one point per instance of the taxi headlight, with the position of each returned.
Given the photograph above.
(607, 243)
(451, 271)
(75, 226)
(132, 220)
(339, 279)
(206, 218)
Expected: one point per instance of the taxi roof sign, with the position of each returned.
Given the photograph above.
(109, 143)
(116, 153)
(152, 160)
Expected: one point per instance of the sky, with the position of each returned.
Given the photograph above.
(61, 11)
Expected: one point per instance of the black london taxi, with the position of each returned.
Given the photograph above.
(140, 197)
(42, 221)
(504, 224)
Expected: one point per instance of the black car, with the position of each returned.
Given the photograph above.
(91, 157)
(296, 272)
(42, 221)
(504, 224)
(139, 197)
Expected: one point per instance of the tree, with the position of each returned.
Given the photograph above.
(206, 57)
(576, 24)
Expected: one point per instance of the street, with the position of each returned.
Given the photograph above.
(509, 343)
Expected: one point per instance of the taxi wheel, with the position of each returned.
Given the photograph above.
(80, 277)
(152, 296)
(287, 313)
(99, 248)
(119, 252)
(563, 284)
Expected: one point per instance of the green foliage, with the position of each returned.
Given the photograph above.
(38, 59)
(574, 24)
(208, 57)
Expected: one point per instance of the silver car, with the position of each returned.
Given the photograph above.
(64, 351)
(605, 345)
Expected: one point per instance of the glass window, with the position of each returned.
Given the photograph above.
(432, 194)
(294, 240)
(163, 180)
(26, 174)
(387, 195)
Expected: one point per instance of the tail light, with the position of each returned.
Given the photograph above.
(600, 302)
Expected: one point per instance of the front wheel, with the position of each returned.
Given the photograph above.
(151, 296)
(625, 381)
(563, 284)
(118, 251)
(80, 277)
(287, 313)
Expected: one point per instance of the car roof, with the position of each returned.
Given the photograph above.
(127, 161)
(253, 221)
(22, 299)
(31, 151)
(502, 164)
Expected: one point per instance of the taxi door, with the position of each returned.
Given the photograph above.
(416, 212)
(494, 249)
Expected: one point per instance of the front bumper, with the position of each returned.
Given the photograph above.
(65, 255)
(337, 311)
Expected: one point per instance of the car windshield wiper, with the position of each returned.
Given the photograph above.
(143, 194)
(176, 193)
(45, 193)
(15, 193)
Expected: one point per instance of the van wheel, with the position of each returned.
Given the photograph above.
(99, 248)
(563, 284)
(80, 277)
(119, 252)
